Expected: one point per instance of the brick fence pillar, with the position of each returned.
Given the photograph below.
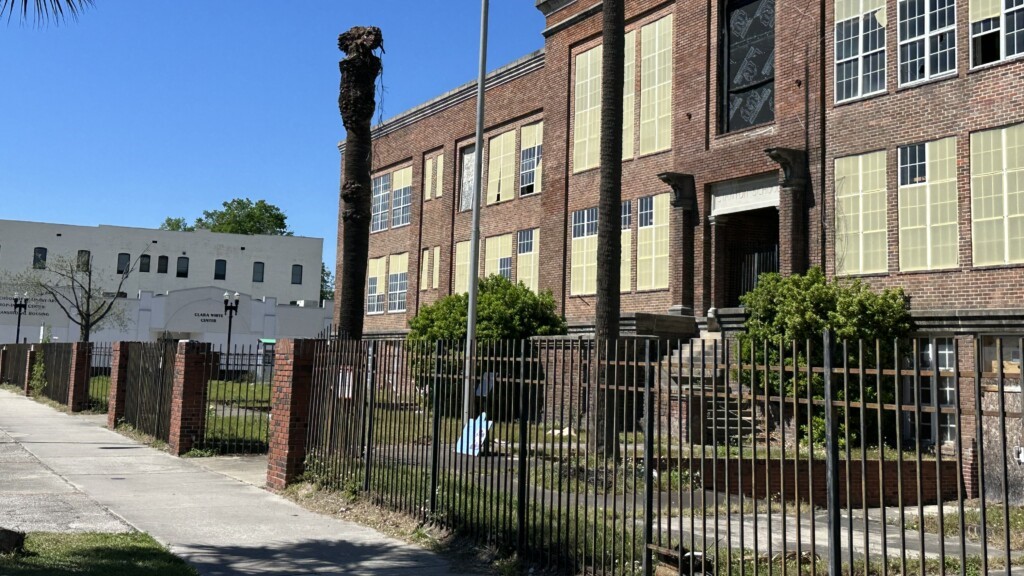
(118, 383)
(188, 395)
(78, 380)
(3, 360)
(28, 370)
(289, 411)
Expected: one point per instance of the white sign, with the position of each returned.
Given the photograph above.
(742, 195)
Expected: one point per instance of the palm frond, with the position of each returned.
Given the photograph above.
(43, 11)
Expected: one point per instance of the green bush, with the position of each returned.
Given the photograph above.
(798, 308)
(505, 311)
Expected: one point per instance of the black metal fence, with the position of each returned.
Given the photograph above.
(15, 364)
(51, 372)
(100, 357)
(148, 386)
(701, 456)
(238, 399)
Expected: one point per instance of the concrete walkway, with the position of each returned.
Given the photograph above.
(220, 525)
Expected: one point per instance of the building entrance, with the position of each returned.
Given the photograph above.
(752, 249)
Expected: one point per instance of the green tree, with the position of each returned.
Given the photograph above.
(326, 282)
(238, 216)
(505, 311)
(43, 10)
(177, 225)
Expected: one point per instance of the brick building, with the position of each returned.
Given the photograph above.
(880, 139)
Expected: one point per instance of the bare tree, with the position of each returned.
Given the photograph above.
(88, 297)
(609, 243)
(43, 10)
(356, 101)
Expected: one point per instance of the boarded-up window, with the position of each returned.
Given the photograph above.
(997, 195)
(860, 214)
(527, 261)
(584, 252)
(656, 85)
(928, 207)
(501, 162)
(652, 243)
(586, 140)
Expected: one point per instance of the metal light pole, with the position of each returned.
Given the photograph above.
(474, 239)
(20, 304)
(230, 309)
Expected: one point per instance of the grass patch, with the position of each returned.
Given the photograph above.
(235, 434)
(93, 554)
(247, 395)
(599, 476)
(126, 429)
(994, 525)
(99, 392)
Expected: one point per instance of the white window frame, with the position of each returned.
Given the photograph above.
(374, 297)
(380, 203)
(401, 206)
(398, 289)
(936, 391)
(529, 159)
(860, 56)
(584, 225)
(1005, 214)
(1000, 28)
(925, 38)
(926, 181)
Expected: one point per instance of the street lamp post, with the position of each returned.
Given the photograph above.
(230, 309)
(20, 304)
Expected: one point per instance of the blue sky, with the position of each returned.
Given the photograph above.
(143, 110)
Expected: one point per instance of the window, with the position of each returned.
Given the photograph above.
(498, 256)
(527, 261)
(501, 163)
(584, 252)
(531, 142)
(182, 270)
(467, 190)
(652, 243)
(39, 258)
(1002, 352)
(460, 281)
(437, 267)
(748, 64)
(144, 262)
(860, 214)
(997, 30)
(997, 196)
(626, 255)
(860, 48)
(161, 265)
(401, 197)
(928, 205)
(379, 203)
(123, 262)
(628, 95)
(656, 85)
(257, 271)
(375, 273)
(296, 273)
(220, 269)
(424, 269)
(586, 148)
(935, 390)
(85, 258)
(398, 282)
(428, 179)
(927, 39)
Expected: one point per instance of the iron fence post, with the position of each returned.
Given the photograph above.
(371, 362)
(523, 451)
(831, 466)
(435, 442)
(648, 460)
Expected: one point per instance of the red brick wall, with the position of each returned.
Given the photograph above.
(188, 395)
(118, 381)
(289, 411)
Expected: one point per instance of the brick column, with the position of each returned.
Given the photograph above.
(188, 395)
(289, 411)
(792, 214)
(118, 383)
(78, 380)
(28, 369)
(718, 261)
(3, 359)
(681, 232)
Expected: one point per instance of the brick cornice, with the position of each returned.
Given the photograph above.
(572, 20)
(549, 7)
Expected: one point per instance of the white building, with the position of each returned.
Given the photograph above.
(178, 281)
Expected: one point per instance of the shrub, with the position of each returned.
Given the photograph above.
(505, 311)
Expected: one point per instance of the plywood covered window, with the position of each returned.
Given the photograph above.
(531, 156)
(401, 197)
(629, 95)
(398, 281)
(656, 85)
(748, 64)
(425, 269)
(626, 256)
(860, 214)
(527, 261)
(428, 179)
(460, 281)
(584, 252)
(437, 267)
(860, 48)
(586, 139)
(997, 196)
(498, 256)
(928, 205)
(501, 163)
(652, 243)
(376, 271)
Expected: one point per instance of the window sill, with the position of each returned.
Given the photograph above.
(996, 64)
(864, 275)
(394, 227)
(374, 313)
(379, 231)
(642, 155)
(747, 130)
(530, 195)
(396, 311)
(1010, 266)
(919, 271)
(863, 98)
(927, 81)
(651, 290)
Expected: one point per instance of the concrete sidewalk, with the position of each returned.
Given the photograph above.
(220, 525)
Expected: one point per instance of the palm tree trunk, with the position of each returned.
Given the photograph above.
(356, 101)
(609, 245)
